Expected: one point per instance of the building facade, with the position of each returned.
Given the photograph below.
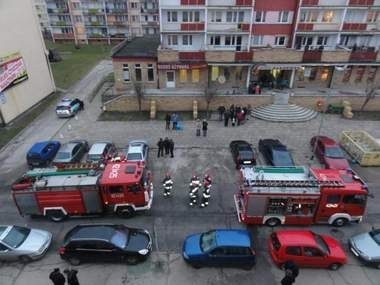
(25, 75)
(86, 21)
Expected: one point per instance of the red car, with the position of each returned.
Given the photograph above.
(306, 249)
(329, 152)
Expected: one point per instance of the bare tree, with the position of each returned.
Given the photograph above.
(209, 96)
(370, 93)
(139, 91)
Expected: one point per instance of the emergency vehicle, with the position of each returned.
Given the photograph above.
(300, 196)
(122, 188)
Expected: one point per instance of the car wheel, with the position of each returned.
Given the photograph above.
(196, 266)
(56, 215)
(25, 259)
(340, 222)
(335, 266)
(125, 212)
(132, 260)
(273, 222)
(74, 261)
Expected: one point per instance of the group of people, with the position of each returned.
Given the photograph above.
(165, 147)
(236, 114)
(173, 118)
(58, 278)
(201, 125)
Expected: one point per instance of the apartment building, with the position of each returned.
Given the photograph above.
(86, 21)
(227, 46)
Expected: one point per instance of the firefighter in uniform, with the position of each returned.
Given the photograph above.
(207, 182)
(195, 184)
(168, 185)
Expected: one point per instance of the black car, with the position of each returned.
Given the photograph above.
(275, 153)
(106, 242)
(242, 153)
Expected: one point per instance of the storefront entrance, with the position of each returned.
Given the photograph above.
(170, 79)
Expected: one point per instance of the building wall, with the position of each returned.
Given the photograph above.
(201, 85)
(355, 80)
(24, 37)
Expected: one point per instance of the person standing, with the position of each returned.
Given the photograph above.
(166, 145)
(171, 148)
(168, 185)
(226, 118)
(174, 120)
(72, 278)
(288, 279)
(204, 127)
(57, 277)
(198, 126)
(290, 265)
(195, 184)
(160, 145)
(167, 120)
(206, 190)
(221, 110)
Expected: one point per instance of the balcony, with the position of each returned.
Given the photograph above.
(243, 2)
(354, 27)
(309, 3)
(192, 26)
(96, 36)
(117, 23)
(58, 11)
(192, 56)
(220, 56)
(312, 55)
(193, 2)
(243, 56)
(304, 27)
(95, 23)
(69, 36)
(364, 54)
(93, 11)
(61, 23)
(361, 2)
(276, 55)
(116, 11)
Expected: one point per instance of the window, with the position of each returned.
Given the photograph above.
(126, 72)
(306, 41)
(3, 247)
(115, 189)
(322, 41)
(229, 40)
(283, 16)
(280, 41)
(235, 16)
(172, 16)
(134, 5)
(231, 250)
(215, 40)
(312, 252)
(138, 72)
(355, 199)
(260, 16)
(134, 18)
(195, 75)
(146, 18)
(216, 16)
(76, 5)
(78, 19)
(172, 40)
(333, 199)
(309, 16)
(328, 16)
(187, 40)
(155, 18)
(150, 72)
(372, 16)
(183, 75)
(241, 17)
(190, 16)
(257, 40)
(293, 250)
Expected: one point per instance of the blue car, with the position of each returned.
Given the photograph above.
(224, 248)
(42, 153)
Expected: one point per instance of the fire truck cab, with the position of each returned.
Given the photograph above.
(123, 188)
(300, 196)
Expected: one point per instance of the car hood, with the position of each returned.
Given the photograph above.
(191, 245)
(336, 163)
(336, 250)
(36, 240)
(364, 243)
(138, 240)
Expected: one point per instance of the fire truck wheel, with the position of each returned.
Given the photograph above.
(132, 260)
(335, 266)
(125, 212)
(74, 261)
(25, 259)
(273, 222)
(56, 215)
(340, 222)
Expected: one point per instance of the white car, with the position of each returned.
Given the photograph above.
(101, 150)
(23, 244)
(137, 151)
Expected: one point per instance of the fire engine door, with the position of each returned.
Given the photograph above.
(328, 206)
(115, 194)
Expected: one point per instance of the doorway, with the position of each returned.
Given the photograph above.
(170, 79)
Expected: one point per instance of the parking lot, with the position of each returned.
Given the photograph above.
(171, 219)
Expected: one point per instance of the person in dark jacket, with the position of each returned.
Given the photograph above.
(226, 118)
(288, 279)
(167, 120)
(57, 277)
(290, 265)
(204, 127)
(171, 147)
(160, 145)
(72, 278)
(166, 145)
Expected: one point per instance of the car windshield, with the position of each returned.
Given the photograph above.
(376, 236)
(134, 156)
(334, 152)
(62, 108)
(282, 158)
(208, 241)
(321, 243)
(16, 236)
(63, 155)
(94, 157)
(245, 154)
(120, 239)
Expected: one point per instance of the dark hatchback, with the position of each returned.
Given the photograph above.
(106, 243)
(242, 153)
(275, 153)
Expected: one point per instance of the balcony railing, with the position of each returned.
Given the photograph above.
(354, 27)
(243, 56)
(364, 54)
(244, 2)
(310, 2)
(193, 2)
(192, 56)
(116, 11)
(58, 11)
(192, 26)
(361, 2)
(312, 55)
(62, 23)
(63, 36)
(305, 27)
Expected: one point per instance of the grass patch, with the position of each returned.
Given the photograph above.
(76, 62)
(9, 132)
(366, 115)
(144, 116)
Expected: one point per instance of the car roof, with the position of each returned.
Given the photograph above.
(65, 102)
(98, 147)
(92, 232)
(233, 238)
(39, 146)
(68, 147)
(135, 148)
(296, 237)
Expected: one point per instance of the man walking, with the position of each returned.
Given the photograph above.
(167, 120)
(166, 145)
(204, 127)
(168, 185)
(206, 190)
(174, 120)
(195, 184)
(171, 148)
(72, 278)
(160, 145)
(57, 277)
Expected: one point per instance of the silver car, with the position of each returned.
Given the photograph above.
(68, 107)
(101, 150)
(137, 151)
(366, 247)
(23, 244)
(72, 151)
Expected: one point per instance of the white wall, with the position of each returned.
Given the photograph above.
(24, 37)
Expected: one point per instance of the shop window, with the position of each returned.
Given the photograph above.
(260, 16)
(325, 74)
(328, 16)
(150, 72)
(195, 75)
(138, 72)
(214, 73)
(312, 73)
(126, 75)
(301, 74)
(183, 75)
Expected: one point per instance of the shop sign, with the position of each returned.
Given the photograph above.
(12, 71)
(177, 66)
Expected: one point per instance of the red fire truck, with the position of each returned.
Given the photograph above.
(122, 188)
(299, 196)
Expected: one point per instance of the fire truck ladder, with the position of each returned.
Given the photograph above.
(77, 166)
(64, 169)
(294, 183)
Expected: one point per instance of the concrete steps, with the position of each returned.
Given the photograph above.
(283, 113)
